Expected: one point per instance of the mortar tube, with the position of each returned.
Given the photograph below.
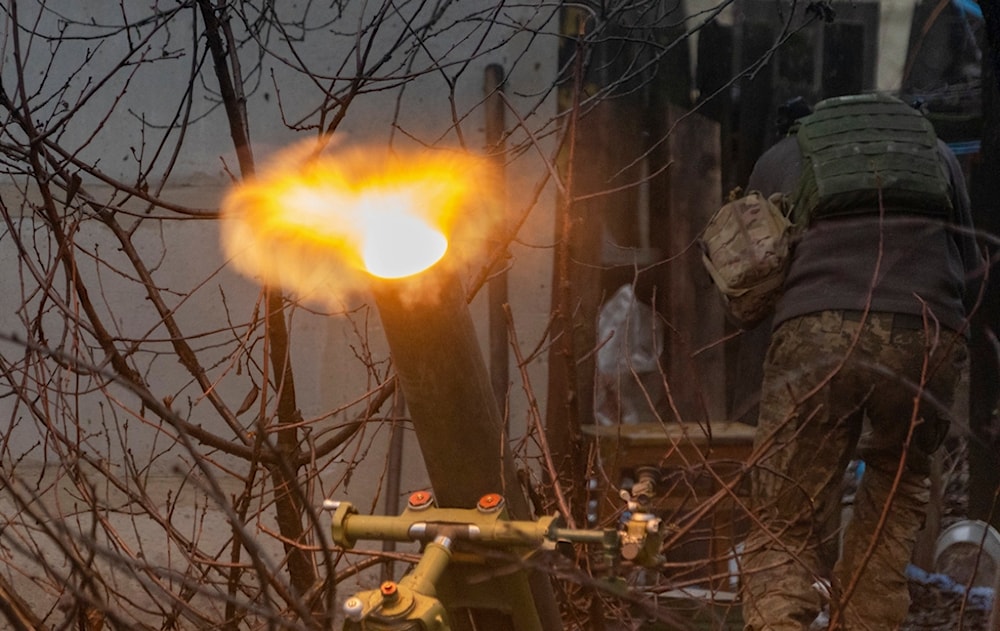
(456, 419)
(443, 377)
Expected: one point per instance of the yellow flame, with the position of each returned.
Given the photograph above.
(398, 243)
(307, 221)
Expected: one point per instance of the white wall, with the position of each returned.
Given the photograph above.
(130, 113)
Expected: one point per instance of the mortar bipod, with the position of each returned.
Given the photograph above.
(456, 569)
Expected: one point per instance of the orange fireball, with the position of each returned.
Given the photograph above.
(309, 222)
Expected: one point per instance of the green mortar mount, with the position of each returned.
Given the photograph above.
(472, 559)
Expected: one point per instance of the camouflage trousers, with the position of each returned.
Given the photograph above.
(839, 384)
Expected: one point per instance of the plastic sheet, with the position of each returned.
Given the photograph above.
(629, 382)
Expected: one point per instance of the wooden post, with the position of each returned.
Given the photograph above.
(497, 288)
(695, 369)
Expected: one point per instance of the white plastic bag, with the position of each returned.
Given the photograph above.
(629, 383)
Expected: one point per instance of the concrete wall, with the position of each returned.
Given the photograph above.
(122, 111)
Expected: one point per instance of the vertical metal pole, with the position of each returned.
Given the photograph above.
(395, 466)
(497, 289)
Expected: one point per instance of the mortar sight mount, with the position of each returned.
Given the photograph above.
(474, 559)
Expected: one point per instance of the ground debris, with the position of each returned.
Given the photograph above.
(939, 603)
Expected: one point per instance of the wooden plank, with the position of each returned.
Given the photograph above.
(695, 368)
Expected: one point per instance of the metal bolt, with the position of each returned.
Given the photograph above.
(390, 591)
(420, 500)
(354, 608)
(490, 502)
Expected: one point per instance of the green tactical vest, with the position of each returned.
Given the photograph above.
(866, 152)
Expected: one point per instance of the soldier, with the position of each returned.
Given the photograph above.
(867, 347)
